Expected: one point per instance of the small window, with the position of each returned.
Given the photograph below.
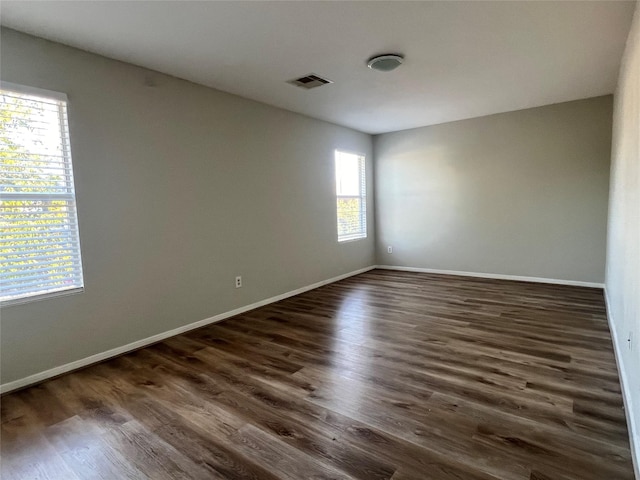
(39, 244)
(351, 195)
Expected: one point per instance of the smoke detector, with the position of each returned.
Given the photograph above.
(386, 62)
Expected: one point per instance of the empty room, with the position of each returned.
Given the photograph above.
(320, 240)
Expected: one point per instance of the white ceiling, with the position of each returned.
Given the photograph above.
(463, 59)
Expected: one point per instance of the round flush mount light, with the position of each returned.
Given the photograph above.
(385, 63)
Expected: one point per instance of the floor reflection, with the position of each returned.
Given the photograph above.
(353, 329)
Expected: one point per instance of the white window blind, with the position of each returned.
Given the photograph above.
(351, 192)
(39, 244)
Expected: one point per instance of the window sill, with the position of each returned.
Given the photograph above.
(349, 240)
(41, 296)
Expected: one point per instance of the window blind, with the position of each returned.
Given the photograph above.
(39, 242)
(351, 195)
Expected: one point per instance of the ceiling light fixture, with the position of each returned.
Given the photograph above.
(386, 62)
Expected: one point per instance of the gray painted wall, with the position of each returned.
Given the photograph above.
(521, 193)
(623, 242)
(180, 188)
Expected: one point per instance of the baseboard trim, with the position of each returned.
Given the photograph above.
(114, 352)
(634, 437)
(496, 276)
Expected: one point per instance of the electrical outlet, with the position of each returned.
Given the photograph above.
(238, 282)
(629, 340)
(389, 249)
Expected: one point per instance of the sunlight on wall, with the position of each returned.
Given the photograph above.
(416, 175)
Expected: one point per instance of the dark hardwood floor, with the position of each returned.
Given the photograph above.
(386, 375)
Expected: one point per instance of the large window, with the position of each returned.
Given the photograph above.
(351, 195)
(39, 244)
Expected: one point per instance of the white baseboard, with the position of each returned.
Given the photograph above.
(497, 276)
(54, 372)
(634, 437)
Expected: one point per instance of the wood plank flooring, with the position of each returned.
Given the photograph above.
(386, 375)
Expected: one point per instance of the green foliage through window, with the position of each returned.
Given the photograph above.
(39, 245)
(351, 196)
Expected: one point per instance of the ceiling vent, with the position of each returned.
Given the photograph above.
(310, 81)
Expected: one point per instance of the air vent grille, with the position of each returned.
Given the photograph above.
(309, 81)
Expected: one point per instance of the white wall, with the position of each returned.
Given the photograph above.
(180, 188)
(623, 242)
(521, 193)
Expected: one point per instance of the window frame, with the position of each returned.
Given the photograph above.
(70, 195)
(363, 196)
